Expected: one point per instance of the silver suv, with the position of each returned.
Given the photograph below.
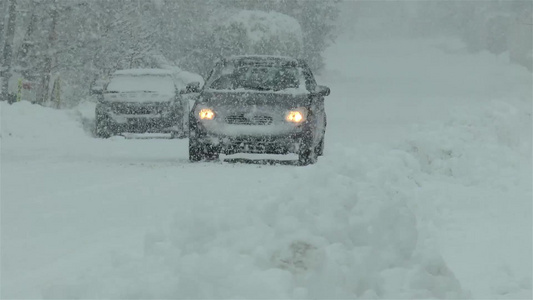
(141, 101)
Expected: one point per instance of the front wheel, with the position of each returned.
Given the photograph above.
(102, 128)
(199, 151)
(308, 154)
(320, 147)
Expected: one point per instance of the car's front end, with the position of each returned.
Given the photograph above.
(250, 122)
(139, 113)
(140, 101)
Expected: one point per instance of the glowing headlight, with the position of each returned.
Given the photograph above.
(206, 114)
(295, 116)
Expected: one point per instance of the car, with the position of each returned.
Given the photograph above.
(141, 101)
(259, 104)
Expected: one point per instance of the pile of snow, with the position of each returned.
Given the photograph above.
(474, 199)
(24, 121)
(339, 229)
(476, 145)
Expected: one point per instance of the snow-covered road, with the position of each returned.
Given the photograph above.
(424, 191)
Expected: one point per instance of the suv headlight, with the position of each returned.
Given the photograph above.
(297, 115)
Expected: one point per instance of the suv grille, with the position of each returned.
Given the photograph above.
(137, 109)
(255, 120)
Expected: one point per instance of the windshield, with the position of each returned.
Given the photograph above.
(256, 77)
(162, 84)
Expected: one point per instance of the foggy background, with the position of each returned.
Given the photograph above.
(74, 43)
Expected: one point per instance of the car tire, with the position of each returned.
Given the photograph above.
(307, 154)
(320, 147)
(201, 151)
(102, 127)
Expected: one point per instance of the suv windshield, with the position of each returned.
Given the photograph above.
(141, 83)
(256, 77)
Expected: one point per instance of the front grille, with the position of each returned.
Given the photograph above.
(137, 109)
(259, 145)
(242, 120)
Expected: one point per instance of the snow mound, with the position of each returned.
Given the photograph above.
(26, 121)
(473, 143)
(340, 229)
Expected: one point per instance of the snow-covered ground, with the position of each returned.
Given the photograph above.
(425, 190)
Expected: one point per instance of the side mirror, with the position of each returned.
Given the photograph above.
(192, 87)
(322, 90)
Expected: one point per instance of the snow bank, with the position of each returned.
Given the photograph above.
(476, 145)
(25, 121)
(341, 229)
(475, 195)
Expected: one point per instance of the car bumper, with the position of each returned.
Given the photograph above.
(141, 123)
(144, 124)
(264, 143)
(255, 144)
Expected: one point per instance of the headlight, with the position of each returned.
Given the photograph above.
(206, 114)
(296, 115)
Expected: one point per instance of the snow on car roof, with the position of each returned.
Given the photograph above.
(142, 72)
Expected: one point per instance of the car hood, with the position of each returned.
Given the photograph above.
(236, 100)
